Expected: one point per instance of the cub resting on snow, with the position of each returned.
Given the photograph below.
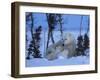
(65, 48)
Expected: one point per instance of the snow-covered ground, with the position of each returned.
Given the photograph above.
(33, 62)
(79, 60)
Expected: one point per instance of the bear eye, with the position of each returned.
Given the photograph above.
(65, 39)
(63, 44)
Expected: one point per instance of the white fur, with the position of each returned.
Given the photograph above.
(57, 49)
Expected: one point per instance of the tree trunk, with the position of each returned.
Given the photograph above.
(52, 37)
(81, 25)
(48, 32)
(60, 25)
(88, 25)
(32, 26)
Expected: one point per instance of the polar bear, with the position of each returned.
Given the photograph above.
(53, 50)
(65, 48)
(69, 46)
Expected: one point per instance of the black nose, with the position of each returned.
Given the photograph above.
(62, 44)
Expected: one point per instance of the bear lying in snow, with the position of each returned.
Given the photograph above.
(65, 48)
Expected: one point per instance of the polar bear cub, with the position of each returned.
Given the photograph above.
(69, 45)
(65, 48)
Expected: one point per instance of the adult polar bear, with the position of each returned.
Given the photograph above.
(65, 48)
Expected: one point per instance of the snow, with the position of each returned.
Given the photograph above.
(79, 60)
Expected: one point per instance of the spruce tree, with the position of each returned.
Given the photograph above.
(80, 48)
(37, 42)
(30, 50)
(86, 42)
(28, 47)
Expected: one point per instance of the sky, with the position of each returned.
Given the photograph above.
(70, 21)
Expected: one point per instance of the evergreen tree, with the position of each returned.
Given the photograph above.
(29, 49)
(86, 38)
(35, 44)
(80, 48)
(86, 42)
(37, 41)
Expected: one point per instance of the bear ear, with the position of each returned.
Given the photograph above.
(69, 34)
(66, 35)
